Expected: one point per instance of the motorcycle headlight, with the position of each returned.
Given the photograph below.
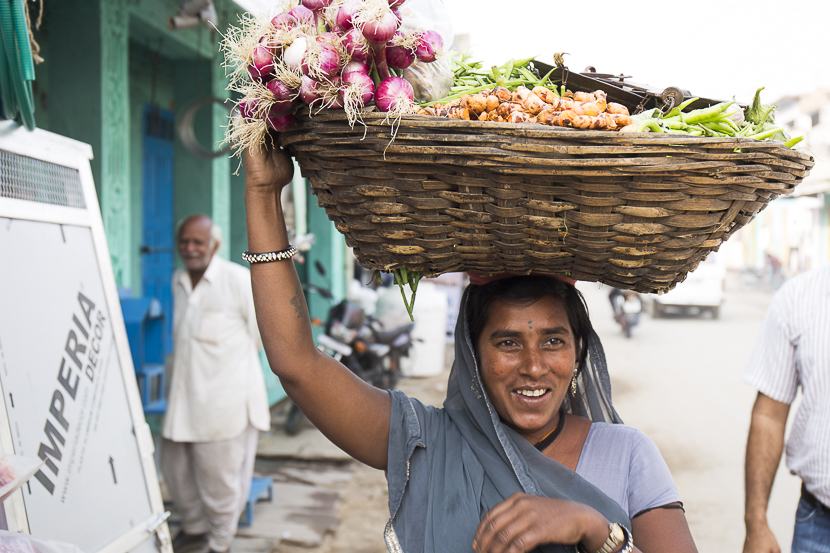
(342, 333)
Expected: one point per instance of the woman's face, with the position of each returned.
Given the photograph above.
(527, 355)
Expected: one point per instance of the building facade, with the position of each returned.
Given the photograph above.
(795, 229)
(149, 99)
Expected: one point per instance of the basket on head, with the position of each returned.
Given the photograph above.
(633, 210)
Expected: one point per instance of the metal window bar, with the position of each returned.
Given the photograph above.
(26, 178)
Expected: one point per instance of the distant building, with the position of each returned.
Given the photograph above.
(795, 229)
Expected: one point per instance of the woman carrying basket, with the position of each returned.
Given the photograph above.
(524, 455)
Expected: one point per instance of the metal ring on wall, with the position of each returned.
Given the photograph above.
(187, 133)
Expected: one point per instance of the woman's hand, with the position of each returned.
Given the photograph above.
(523, 522)
(269, 169)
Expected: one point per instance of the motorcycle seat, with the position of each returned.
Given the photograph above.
(388, 336)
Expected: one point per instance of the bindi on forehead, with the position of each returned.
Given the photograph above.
(530, 325)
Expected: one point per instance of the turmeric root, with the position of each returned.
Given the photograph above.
(476, 103)
(598, 122)
(621, 119)
(587, 108)
(502, 94)
(520, 117)
(533, 104)
(614, 107)
(546, 95)
(582, 97)
(506, 108)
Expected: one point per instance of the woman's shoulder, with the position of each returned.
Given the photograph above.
(609, 435)
(624, 439)
(620, 431)
(642, 479)
(413, 415)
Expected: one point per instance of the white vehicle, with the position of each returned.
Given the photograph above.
(701, 291)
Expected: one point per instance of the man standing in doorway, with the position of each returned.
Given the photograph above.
(793, 350)
(217, 401)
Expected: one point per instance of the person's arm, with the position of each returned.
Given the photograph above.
(663, 529)
(350, 412)
(763, 453)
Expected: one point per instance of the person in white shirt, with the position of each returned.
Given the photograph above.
(217, 401)
(793, 350)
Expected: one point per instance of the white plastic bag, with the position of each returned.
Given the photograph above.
(427, 15)
(430, 81)
(15, 471)
(12, 542)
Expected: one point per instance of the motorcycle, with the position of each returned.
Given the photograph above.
(627, 308)
(374, 352)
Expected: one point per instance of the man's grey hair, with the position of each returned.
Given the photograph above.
(215, 230)
(215, 234)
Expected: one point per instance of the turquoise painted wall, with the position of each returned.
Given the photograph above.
(238, 232)
(70, 102)
(69, 88)
(192, 174)
(329, 249)
(71, 74)
(152, 81)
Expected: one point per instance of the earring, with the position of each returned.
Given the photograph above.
(573, 381)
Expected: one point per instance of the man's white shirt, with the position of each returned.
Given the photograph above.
(217, 385)
(794, 350)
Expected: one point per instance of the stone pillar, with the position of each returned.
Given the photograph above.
(114, 152)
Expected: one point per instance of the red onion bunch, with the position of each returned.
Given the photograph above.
(335, 54)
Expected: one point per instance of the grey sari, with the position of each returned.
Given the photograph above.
(448, 467)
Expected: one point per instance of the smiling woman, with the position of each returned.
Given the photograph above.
(528, 435)
(528, 356)
(527, 453)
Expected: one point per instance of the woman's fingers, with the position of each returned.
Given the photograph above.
(509, 534)
(509, 528)
(523, 522)
(282, 165)
(268, 167)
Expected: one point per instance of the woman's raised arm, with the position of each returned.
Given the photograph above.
(350, 412)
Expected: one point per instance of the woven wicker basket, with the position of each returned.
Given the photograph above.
(635, 211)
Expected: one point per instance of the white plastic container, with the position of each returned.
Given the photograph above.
(364, 296)
(426, 358)
(389, 307)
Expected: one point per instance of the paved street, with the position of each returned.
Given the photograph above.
(678, 379)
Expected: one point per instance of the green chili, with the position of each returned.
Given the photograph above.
(679, 108)
(793, 141)
(706, 114)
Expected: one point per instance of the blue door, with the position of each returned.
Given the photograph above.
(158, 228)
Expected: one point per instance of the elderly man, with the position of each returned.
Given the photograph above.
(217, 397)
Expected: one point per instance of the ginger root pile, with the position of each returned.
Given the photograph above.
(580, 110)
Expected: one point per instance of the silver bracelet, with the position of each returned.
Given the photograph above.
(267, 257)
